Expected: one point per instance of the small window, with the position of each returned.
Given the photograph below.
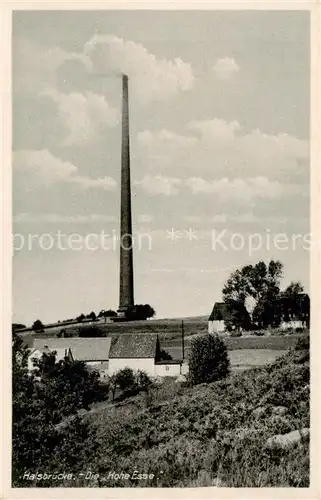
(167, 368)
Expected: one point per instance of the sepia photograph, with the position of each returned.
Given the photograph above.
(161, 238)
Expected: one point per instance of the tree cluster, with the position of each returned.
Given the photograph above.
(140, 312)
(261, 284)
(43, 437)
(129, 382)
(208, 360)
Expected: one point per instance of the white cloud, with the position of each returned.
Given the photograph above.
(236, 189)
(221, 130)
(219, 219)
(150, 78)
(145, 219)
(64, 219)
(222, 149)
(39, 169)
(37, 67)
(159, 184)
(225, 68)
(84, 115)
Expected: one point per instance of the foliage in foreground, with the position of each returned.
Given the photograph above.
(208, 359)
(209, 434)
(213, 433)
(41, 402)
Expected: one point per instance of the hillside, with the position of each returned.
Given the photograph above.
(212, 434)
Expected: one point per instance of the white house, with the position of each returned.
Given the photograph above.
(109, 355)
(216, 318)
(137, 352)
(93, 351)
(37, 353)
(292, 324)
(141, 352)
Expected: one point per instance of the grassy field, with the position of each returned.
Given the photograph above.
(240, 358)
(211, 434)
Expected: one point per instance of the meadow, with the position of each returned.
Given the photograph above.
(208, 435)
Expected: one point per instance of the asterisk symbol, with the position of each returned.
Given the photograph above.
(191, 234)
(173, 235)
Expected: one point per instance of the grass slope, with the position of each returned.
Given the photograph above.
(208, 435)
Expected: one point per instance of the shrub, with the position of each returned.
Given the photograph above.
(208, 360)
(142, 381)
(90, 331)
(303, 343)
(126, 380)
(259, 333)
(236, 333)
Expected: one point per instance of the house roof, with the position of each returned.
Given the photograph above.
(218, 312)
(134, 346)
(82, 349)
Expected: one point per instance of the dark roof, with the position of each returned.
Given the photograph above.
(82, 349)
(218, 311)
(134, 346)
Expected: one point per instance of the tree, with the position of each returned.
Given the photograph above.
(208, 360)
(291, 301)
(236, 315)
(126, 380)
(112, 381)
(260, 282)
(92, 316)
(42, 436)
(38, 326)
(141, 312)
(81, 318)
(110, 313)
(143, 382)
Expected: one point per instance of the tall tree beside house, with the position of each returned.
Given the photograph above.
(260, 282)
(208, 359)
(236, 315)
(295, 304)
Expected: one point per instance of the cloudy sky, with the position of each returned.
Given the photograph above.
(219, 120)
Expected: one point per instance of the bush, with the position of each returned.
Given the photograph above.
(236, 333)
(208, 360)
(303, 343)
(90, 331)
(259, 333)
(142, 381)
(126, 380)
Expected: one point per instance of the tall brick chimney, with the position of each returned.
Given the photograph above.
(126, 275)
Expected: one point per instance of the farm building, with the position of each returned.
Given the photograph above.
(93, 351)
(216, 318)
(37, 353)
(141, 352)
(108, 356)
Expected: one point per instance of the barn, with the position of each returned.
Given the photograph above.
(92, 351)
(141, 352)
(134, 351)
(108, 355)
(37, 353)
(216, 318)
